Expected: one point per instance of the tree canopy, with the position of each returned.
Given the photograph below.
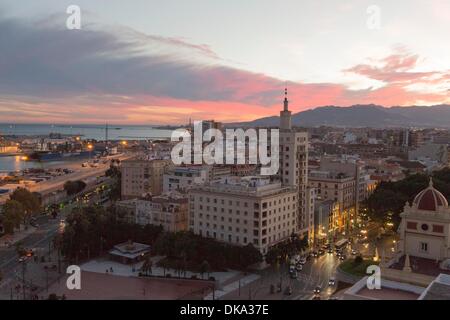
(389, 198)
(74, 187)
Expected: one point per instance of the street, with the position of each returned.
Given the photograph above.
(316, 272)
(40, 240)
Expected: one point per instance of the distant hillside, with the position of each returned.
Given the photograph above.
(365, 116)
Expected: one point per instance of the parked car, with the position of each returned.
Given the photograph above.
(294, 275)
(298, 267)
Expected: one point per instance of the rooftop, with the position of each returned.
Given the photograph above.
(249, 185)
(421, 265)
(99, 286)
(130, 249)
(430, 199)
(439, 289)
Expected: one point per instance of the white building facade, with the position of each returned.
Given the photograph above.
(425, 227)
(243, 210)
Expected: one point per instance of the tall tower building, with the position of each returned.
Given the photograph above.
(294, 167)
(285, 114)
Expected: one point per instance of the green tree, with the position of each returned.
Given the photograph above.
(13, 215)
(74, 187)
(29, 201)
(147, 266)
(204, 268)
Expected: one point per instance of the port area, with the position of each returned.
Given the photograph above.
(52, 178)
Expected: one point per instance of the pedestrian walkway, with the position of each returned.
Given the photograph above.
(116, 268)
(232, 287)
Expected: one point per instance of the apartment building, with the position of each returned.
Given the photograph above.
(325, 218)
(180, 179)
(243, 210)
(170, 212)
(339, 188)
(142, 177)
(293, 170)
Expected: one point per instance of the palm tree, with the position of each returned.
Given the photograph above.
(204, 268)
(147, 266)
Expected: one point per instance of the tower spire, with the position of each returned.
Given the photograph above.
(285, 114)
(286, 101)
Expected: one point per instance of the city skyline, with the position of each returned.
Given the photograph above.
(181, 61)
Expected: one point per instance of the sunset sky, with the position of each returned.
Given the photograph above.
(163, 62)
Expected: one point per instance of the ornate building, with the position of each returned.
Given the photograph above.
(425, 226)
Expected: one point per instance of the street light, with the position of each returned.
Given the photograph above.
(90, 147)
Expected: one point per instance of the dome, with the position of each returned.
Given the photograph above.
(430, 199)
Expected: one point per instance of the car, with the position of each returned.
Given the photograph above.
(342, 257)
(302, 260)
(330, 250)
(294, 275)
(331, 281)
(298, 267)
(354, 252)
(317, 290)
(314, 254)
(321, 252)
(288, 291)
(291, 268)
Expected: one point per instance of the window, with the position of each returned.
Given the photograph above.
(424, 247)
(438, 228)
(411, 225)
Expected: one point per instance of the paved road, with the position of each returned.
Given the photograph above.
(79, 173)
(316, 272)
(41, 238)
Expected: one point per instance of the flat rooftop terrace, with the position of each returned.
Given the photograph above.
(102, 286)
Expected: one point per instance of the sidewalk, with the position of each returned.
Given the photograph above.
(232, 287)
(104, 266)
(36, 277)
(10, 240)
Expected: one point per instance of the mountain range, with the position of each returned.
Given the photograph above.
(375, 116)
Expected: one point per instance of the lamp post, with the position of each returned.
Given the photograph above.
(90, 147)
